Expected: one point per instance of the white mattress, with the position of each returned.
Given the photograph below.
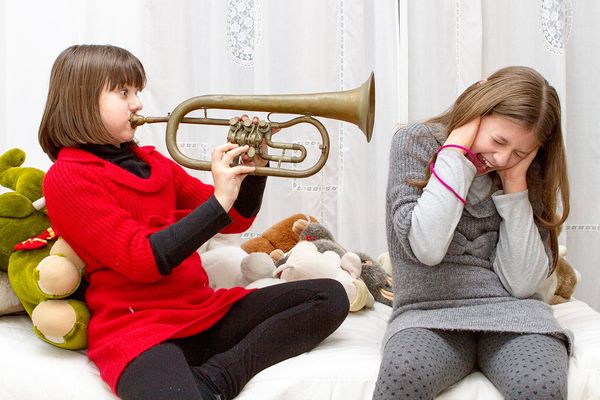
(344, 366)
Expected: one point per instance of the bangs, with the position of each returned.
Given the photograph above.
(123, 68)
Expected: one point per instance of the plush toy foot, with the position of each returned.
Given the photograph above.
(222, 265)
(557, 300)
(62, 323)
(385, 262)
(62, 248)
(255, 266)
(299, 226)
(57, 276)
(277, 255)
(350, 262)
(362, 296)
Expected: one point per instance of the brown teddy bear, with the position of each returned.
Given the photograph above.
(560, 285)
(280, 237)
(566, 280)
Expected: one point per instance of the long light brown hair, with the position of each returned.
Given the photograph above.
(522, 95)
(78, 77)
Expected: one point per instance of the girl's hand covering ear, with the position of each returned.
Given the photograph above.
(514, 179)
(464, 135)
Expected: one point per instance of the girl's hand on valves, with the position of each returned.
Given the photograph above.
(227, 178)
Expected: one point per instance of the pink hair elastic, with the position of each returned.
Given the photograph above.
(469, 153)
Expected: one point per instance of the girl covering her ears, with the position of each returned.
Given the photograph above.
(157, 329)
(472, 234)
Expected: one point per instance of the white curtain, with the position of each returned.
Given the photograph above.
(423, 53)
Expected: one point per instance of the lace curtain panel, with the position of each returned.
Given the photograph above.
(423, 52)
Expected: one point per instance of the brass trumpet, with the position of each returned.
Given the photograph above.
(356, 106)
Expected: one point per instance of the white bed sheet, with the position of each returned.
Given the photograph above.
(344, 366)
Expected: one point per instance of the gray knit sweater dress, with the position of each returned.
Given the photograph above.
(481, 281)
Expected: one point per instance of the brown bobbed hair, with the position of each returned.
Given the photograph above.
(522, 95)
(78, 77)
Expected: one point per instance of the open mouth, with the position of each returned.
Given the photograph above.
(483, 166)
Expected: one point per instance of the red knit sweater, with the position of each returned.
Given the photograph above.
(107, 214)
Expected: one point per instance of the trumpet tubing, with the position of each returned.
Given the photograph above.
(356, 106)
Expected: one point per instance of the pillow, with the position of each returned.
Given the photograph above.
(9, 303)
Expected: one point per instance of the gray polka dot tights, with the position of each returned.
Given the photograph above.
(419, 363)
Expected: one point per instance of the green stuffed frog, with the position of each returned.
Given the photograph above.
(43, 270)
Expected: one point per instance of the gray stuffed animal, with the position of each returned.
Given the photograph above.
(374, 276)
(377, 280)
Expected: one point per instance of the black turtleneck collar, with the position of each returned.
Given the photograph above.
(122, 156)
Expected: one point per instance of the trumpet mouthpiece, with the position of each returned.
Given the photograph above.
(136, 120)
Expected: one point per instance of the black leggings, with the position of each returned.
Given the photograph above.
(267, 326)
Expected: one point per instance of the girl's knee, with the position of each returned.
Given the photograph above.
(400, 380)
(528, 387)
(337, 299)
(526, 366)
